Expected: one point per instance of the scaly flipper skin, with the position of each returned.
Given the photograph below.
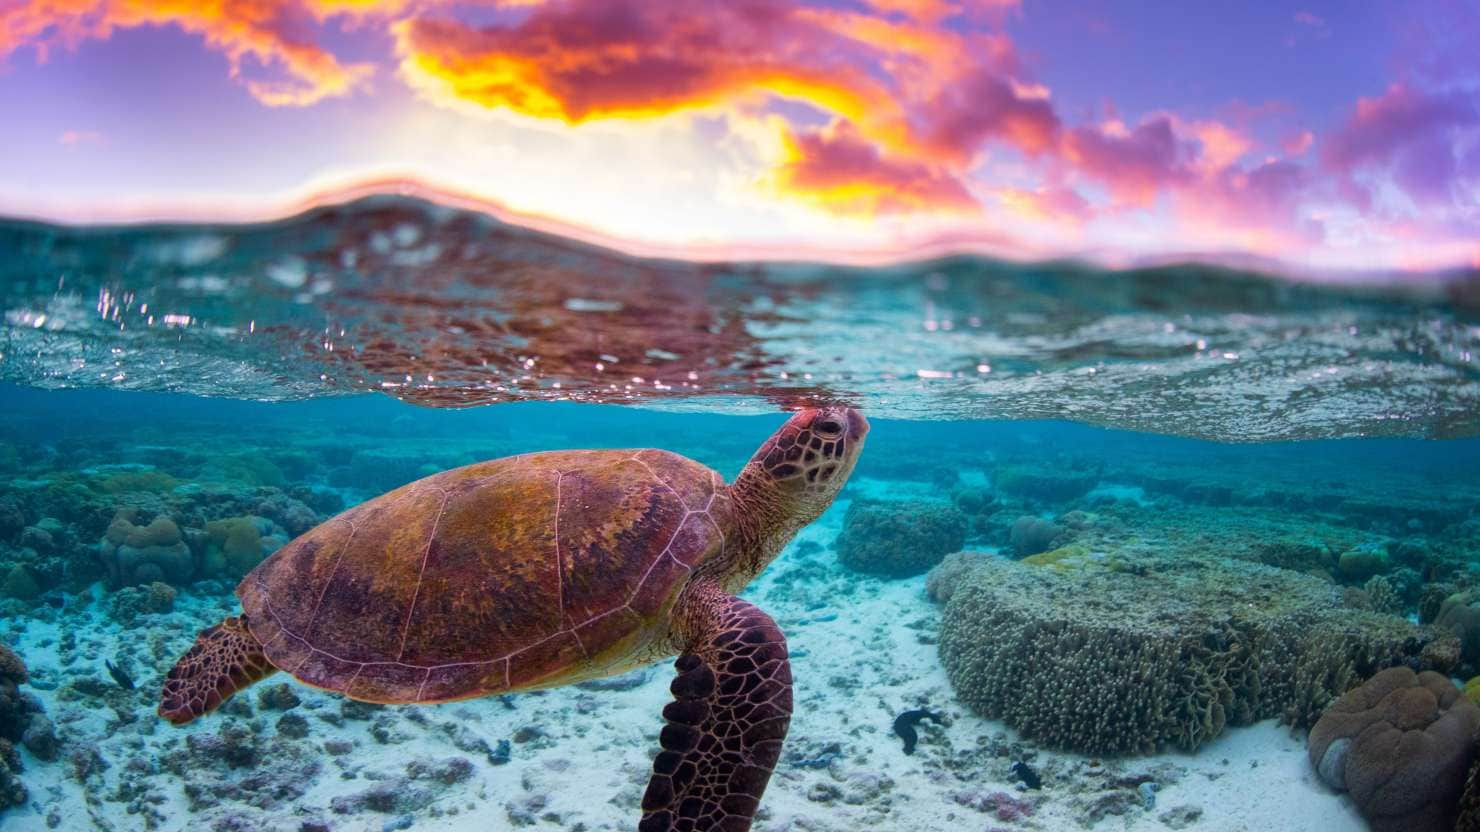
(225, 659)
(725, 729)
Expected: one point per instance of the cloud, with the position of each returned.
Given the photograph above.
(594, 59)
(919, 100)
(1409, 137)
(73, 138)
(1045, 205)
(1135, 164)
(984, 105)
(274, 34)
(838, 170)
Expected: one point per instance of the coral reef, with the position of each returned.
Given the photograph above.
(139, 554)
(125, 605)
(1363, 562)
(1401, 745)
(236, 546)
(22, 720)
(1468, 810)
(1460, 614)
(1044, 484)
(899, 539)
(1031, 535)
(1120, 657)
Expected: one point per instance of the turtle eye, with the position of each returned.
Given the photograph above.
(828, 427)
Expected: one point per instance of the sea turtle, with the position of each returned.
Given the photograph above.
(544, 569)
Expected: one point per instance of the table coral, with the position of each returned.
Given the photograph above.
(1115, 660)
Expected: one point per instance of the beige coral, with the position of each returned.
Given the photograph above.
(1105, 659)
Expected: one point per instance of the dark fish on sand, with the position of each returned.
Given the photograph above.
(124, 680)
(1027, 775)
(904, 726)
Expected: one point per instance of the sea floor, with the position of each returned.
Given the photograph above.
(578, 758)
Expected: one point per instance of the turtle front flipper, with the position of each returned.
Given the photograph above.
(725, 729)
(224, 659)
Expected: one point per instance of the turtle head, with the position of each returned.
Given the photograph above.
(809, 459)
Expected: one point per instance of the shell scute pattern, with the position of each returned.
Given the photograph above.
(496, 576)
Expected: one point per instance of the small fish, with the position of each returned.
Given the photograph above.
(904, 726)
(54, 599)
(124, 680)
(1025, 773)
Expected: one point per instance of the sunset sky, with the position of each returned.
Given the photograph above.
(1323, 135)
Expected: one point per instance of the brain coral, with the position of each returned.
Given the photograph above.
(1031, 535)
(236, 546)
(1102, 660)
(141, 554)
(1401, 744)
(899, 539)
(1460, 614)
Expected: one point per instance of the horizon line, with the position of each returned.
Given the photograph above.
(939, 246)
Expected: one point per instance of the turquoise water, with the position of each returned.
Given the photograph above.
(1262, 491)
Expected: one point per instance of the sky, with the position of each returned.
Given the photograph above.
(1320, 136)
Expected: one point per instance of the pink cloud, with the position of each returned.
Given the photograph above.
(1407, 135)
(983, 106)
(1297, 143)
(73, 138)
(1137, 164)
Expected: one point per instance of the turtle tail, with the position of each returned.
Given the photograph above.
(224, 659)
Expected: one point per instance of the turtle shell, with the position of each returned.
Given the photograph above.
(522, 572)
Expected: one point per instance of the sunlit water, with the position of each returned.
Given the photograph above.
(274, 375)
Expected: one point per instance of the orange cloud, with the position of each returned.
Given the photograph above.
(922, 96)
(274, 33)
(599, 59)
(836, 169)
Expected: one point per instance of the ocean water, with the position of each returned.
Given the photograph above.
(1115, 542)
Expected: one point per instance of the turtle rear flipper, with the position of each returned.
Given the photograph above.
(224, 659)
(725, 729)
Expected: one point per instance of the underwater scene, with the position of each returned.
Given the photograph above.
(345, 522)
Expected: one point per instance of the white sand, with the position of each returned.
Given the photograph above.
(862, 656)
